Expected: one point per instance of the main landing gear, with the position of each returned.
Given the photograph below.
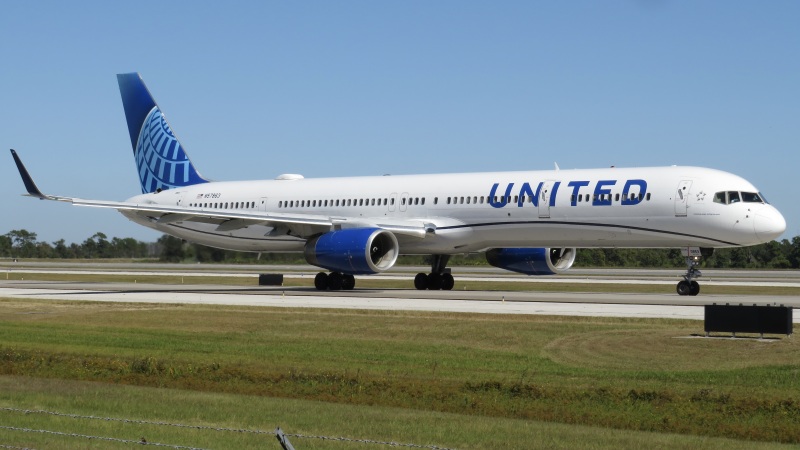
(334, 281)
(693, 256)
(438, 279)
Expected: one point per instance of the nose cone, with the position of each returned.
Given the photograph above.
(769, 224)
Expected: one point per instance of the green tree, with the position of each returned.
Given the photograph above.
(23, 243)
(60, 250)
(171, 249)
(5, 245)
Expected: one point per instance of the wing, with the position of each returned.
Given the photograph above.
(302, 225)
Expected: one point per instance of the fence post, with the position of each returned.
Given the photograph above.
(283, 439)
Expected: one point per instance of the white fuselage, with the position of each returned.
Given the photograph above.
(632, 207)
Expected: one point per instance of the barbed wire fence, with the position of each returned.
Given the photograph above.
(143, 441)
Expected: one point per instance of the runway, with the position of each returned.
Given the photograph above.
(711, 277)
(486, 302)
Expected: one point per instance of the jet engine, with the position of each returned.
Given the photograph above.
(532, 261)
(353, 251)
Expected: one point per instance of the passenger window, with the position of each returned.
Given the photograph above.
(435, 200)
(648, 196)
(423, 201)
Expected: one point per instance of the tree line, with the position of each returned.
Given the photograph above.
(784, 254)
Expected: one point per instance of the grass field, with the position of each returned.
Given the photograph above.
(452, 380)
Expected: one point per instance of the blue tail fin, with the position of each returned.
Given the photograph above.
(160, 158)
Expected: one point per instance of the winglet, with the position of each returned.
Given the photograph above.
(33, 191)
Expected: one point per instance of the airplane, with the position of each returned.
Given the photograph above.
(529, 222)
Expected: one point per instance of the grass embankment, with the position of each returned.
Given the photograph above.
(641, 375)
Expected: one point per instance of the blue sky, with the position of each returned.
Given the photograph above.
(256, 89)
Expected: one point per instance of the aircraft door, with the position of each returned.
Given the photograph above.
(682, 198)
(392, 201)
(262, 204)
(403, 201)
(544, 199)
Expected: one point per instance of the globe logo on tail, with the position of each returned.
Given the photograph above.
(160, 158)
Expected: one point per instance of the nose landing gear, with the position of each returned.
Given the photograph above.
(693, 256)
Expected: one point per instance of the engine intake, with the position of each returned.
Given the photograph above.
(353, 250)
(532, 261)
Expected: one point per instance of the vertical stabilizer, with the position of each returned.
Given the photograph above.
(160, 159)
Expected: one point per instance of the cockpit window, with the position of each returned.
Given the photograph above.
(726, 198)
(751, 197)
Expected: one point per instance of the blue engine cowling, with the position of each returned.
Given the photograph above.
(354, 251)
(532, 261)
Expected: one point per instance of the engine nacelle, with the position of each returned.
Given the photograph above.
(353, 250)
(532, 261)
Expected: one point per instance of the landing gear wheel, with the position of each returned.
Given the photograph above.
(335, 281)
(434, 281)
(693, 256)
(447, 282)
(348, 282)
(421, 281)
(321, 281)
(439, 278)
